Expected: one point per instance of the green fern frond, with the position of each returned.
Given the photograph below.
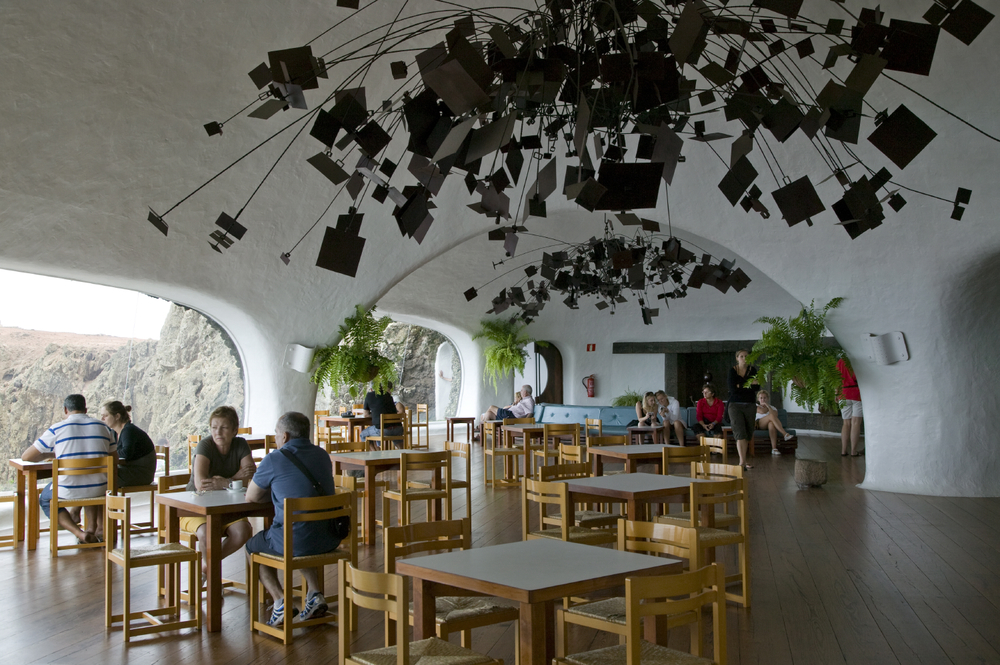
(355, 360)
(506, 352)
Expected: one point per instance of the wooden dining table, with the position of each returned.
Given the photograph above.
(217, 507)
(346, 421)
(631, 455)
(637, 491)
(28, 475)
(375, 462)
(640, 432)
(534, 573)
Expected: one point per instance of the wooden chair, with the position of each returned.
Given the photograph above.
(683, 456)
(77, 466)
(241, 431)
(570, 454)
(462, 451)
(547, 494)
(410, 490)
(718, 493)
(453, 614)
(117, 511)
(11, 540)
(511, 438)
(306, 509)
(387, 593)
(726, 515)
(316, 426)
(589, 519)
(344, 484)
(716, 446)
(163, 455)
(418, 424)
(608, 614)
(654, 596)
(592, 427)
(492, 449)
(388, 421)
(555, 433)
(145, 526)
(192, 445)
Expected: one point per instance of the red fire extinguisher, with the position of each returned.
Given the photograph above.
(588, 383)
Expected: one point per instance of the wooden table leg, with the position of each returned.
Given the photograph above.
(33, 513)
(369, 507)
(537, 633)
(631, 465)
(173, 535)
(598, 463)
(423, 609)
(19, 526)
(213, 553)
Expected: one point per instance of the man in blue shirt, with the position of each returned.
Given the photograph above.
(278, 478)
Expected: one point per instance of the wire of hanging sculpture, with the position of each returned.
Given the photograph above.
(614, 91)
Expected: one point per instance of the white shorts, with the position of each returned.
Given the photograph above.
(851, 409)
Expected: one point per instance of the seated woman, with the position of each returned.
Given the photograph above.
(136, 453)
(669, 410)
(647, 411)
(709, 412)
(767, 418)
(219, 459)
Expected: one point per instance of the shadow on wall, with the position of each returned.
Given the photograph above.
(971, 358)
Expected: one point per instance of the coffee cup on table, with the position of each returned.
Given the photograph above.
(235, 485)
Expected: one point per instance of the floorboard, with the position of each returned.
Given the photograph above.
(839, 575)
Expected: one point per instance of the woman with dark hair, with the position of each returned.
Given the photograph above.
(136, 453)
(709, 411)
(743, 387)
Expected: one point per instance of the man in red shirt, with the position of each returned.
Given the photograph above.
(851, 411)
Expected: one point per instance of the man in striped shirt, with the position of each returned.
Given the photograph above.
(77, 436)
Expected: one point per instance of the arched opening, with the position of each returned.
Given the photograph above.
(428, 366)
(175, 368)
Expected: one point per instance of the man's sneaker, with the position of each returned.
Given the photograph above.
(315, 607)
(775, 451)
(278, 615)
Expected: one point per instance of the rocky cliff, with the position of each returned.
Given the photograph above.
(172, 384)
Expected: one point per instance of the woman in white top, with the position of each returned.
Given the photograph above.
(767, 418)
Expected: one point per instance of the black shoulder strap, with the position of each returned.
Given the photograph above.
(302, 467)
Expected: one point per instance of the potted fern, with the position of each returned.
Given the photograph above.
(505, 353)
(356, 360)
(630, 398)
(794, 351)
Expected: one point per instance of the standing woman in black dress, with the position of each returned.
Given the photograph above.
(743, 389)
(136, 453)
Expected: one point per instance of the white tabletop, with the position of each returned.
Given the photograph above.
(208, 499)
(643, 448)
(393, 454)
(636, 482)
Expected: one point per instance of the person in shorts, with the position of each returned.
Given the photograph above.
(850, 411)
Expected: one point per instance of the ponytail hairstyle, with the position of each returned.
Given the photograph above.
(118, 410)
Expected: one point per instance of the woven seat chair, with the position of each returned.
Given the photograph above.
(549, 494)
(589, 519)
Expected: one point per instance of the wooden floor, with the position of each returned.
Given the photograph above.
(839, 575)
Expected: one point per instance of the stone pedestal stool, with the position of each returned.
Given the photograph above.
(809, 473)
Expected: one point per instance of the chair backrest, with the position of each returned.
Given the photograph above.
(659, 539)
(244, 430)
(684, 456)
(607, 440)
(348, 447)
(564, 471)
(655, 596)
(593, 425)
(163, 455)
(317, 508)
(84, 466)
(712, 470)
(119, 509)
(570, 453)
(519, 421)
(392, 420)
(381, 592)
(443, 535)
(357, 408)
(422, 411)
(545, 494)
(175, 482)
(461, 451)
(192, 445)
(559, 431)
(345, 483)
(716, 446)
(439, 460)
(269, 443)
(725, 492)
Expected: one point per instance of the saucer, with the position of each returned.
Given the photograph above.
(230, 489)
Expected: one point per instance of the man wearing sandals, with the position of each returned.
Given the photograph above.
(278, 478)
(77, 436)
